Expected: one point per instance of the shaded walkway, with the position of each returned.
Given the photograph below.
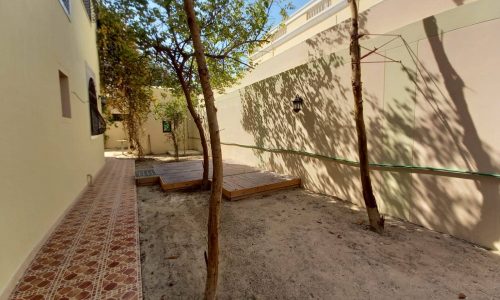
(94, 252)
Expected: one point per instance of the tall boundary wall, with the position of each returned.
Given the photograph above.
(431, 118)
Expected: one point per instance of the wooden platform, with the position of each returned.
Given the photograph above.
(239, 180)
(241, 185)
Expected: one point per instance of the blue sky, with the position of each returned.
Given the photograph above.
(275, 16)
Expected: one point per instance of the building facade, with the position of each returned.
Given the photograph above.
(156, 136)
(430, 109)
(52, 145)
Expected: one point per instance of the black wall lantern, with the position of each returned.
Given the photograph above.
(297, 104)
(103, 99)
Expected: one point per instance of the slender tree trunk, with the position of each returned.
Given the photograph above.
(133, 125)
(376, 221)
(213, 127)
(134, 138)
(140, 149)
(176, 146)
(197, 120)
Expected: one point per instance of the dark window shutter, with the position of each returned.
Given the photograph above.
(88, 8)
(97, 122)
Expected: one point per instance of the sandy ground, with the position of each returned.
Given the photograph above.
(299, 245)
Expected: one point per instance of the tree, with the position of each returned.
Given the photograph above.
(213, 127)
(232, 29)
(173, 111)
(376, 221)
(218, 42)
(125, 73)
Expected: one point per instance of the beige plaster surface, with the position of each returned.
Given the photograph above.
(45, 159)
(153, 139)
(436, 109)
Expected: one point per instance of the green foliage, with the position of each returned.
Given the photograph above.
(126, 73)
(231, 31)
(174, 110)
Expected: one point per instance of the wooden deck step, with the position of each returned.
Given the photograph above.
(239, 180)
(181, 180)
(243, 185)
(146, 177)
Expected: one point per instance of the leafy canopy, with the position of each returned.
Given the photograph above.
(231, 31)
(173, 110)
(126, 73)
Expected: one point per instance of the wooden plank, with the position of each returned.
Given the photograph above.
(239, 180)
(183, 166)
(146, 177)
(236, 198)
(145, 173)
(226, 194)
(180, 185)
(152, 180)
(235, 169)
(230, 185)
(173, 178)
(249, 180)
(238, 194)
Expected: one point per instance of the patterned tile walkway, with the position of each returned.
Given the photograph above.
(94, 252)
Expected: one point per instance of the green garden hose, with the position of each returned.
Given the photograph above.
(356, 163)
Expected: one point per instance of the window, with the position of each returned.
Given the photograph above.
(118, 117)
(65, 99)
(88, 9)
(66, 6)
(97, 122)
(166, 126)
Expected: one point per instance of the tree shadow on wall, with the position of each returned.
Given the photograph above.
(447, 136)
(434, 127)
(336, 38)
(324, 84)
(326, 127)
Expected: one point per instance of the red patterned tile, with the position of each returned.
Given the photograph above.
(94, 252)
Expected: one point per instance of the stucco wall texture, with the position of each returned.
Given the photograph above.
(44, 157)
(437, 108)
(153, 139)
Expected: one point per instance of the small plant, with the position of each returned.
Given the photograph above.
(173, 111)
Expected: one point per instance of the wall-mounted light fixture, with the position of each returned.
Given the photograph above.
(297, 104)
(103, 99)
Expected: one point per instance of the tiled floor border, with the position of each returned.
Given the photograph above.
(94, 252)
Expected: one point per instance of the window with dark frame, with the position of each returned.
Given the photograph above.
(118, 117)
(65, 97)
(97, 122)
(66, 5)
(89, 9)
(166, 126)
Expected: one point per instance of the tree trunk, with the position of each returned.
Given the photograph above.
(133, 135)
(201, 131)
(376, 221)
(197, 120)
(213, 127)
(176, 146)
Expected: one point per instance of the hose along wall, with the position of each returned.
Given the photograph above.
(356, 163)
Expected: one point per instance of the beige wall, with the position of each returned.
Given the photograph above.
(44, 157)
(441, 118)
(332, 34)
(153, 139)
